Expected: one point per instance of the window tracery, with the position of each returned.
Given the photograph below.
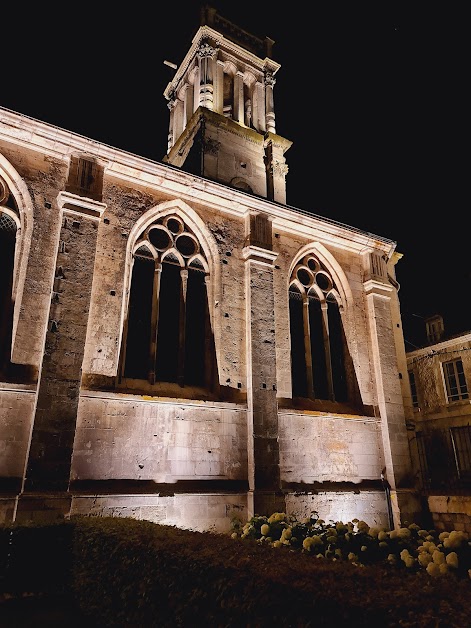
(9, 229)
(318, 345)
(168, 335)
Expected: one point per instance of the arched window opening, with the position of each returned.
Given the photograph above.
(298, 353)
(228, 95)
(337, 350)
(248, 106)
(319, 349)
(139, 318)
(317, 338)
(169, 336)
(9, 225)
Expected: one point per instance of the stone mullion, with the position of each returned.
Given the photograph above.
(307, 347)
(154, 322)
(182, 329)
(327, 353)
(209, 375)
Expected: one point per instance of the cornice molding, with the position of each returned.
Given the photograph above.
(49, 140)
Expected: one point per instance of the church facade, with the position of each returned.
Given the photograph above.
(179, 345)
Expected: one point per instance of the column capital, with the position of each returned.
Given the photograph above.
(205, 50)
(269, 78)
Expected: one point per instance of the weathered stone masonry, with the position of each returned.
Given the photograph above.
(228, 438)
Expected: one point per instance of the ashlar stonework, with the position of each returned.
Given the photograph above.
(177, 344)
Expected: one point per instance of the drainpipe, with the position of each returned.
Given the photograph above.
(387, 491)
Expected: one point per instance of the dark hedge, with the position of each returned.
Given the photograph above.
(123, 572)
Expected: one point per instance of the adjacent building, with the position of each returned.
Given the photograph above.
(440, 424)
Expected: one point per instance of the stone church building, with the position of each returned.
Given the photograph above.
(179, 345)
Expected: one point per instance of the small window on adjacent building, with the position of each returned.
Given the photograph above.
(413, 389)
(455, 382)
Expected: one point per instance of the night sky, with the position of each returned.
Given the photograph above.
(373, 98)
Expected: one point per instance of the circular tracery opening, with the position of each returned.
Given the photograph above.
(303, 276)
(313, 264)
(323, 281)
(159, 238)
(174, 225)
(186, 245)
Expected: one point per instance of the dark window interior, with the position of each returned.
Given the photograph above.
(140, 305)
(298, 354)
(319, 372)
(7, 257)
(337, 349)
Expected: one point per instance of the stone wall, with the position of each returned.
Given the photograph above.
(16, 415)
(450, 512)
(160, 441)
(322, 448)
(209, 512)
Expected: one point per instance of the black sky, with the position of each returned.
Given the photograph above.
(373, 98)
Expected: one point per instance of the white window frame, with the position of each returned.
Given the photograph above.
(454, 380)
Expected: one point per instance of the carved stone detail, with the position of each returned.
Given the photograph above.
(205, 50)
(280, 169)
(211, 147)
(270, 80)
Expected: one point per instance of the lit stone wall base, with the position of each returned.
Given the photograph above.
(265, 502)
(407, 508)
(203, 512)
(368, 506)
(43, 508)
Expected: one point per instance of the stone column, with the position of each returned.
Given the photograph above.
(259, 108)
(219, 88)
(276, 167)
(239, 109)
(186, 96)
(269, 102)
(265, 496)
(50, 453)
(171, 134)
(379, 292)
(178, 119)
(206, 54)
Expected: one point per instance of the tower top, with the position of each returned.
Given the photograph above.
(260, 47)
(222, 113)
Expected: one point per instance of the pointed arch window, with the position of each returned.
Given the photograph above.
(318, 347)
(168, 335)
(9, 230)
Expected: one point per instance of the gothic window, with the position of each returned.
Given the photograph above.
(9, 227)
(318, 346)
(168, 336)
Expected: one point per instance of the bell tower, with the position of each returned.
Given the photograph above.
(222, 113)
